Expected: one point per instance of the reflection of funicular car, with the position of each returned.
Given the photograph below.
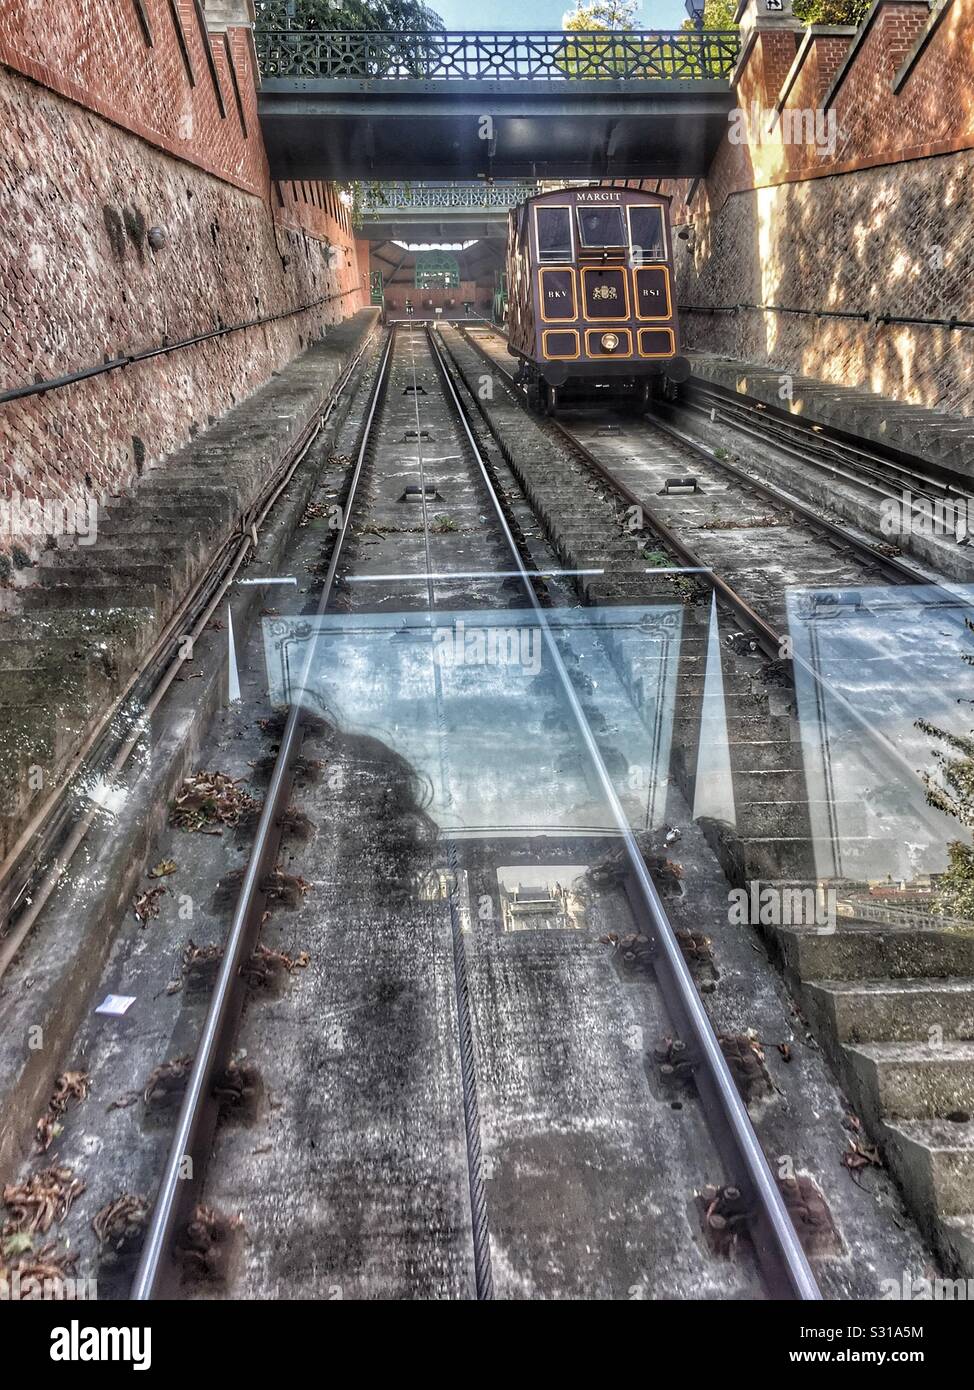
(590, 294)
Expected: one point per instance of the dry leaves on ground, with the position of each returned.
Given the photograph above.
(209, 800)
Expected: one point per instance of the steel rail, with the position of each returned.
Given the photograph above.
(902, 573)
(826, 450)
(211, 1042)
(779, 1250)
(771, 642)
(768, 638)
(895, 570)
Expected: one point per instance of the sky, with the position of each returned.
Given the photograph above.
(543, 14)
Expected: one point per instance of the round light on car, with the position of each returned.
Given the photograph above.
(610, 341)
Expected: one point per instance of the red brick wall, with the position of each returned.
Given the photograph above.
(879, 224)
(397, 294)
(101, 138)
(94, 52)
(932, 113)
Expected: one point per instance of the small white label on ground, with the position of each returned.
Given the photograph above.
(115, 1004)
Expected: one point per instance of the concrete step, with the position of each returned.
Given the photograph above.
(888, 1010)
(776, 784)
(117, 638)
(771, 758)
(126, 572)
(771, 819)
(861, 950)
(934, 1159)
(35, 745)
(74, 685)
(957, 1236)
(26, 740)
(770, 858)
(914, 1081)
(744, 730)
(130, 560)
(205, 516)
(94, 596)
(166, 545)
(609, 590)
(691, 678)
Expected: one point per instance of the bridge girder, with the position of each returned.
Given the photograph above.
(336, 129)
(438, 225)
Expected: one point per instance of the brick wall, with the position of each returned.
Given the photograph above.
(105, 138)
(468, 291)
(876, 221)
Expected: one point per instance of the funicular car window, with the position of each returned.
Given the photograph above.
(601, 226)
(646, 228)
(554, 234)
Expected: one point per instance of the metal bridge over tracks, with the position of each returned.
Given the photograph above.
(370, 105)
(424, 212)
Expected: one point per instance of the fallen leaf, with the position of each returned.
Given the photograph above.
(146, 905)
(861, 1154)
(123, 1102)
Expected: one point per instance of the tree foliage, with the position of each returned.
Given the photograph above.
(831, 11)
(607, 15)
(719, 14)
(602, 14)
(391, 15)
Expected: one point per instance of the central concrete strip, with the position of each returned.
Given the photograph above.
(355, 1183)
(590, 1177)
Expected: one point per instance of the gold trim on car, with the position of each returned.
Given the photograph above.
(544, 270)
(672, 337)
(652, 318)
(605, 318)
(559, 356)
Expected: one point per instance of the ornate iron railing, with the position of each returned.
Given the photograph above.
(553, 56)
(395, 197)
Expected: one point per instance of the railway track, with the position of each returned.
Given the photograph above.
(879, 477)
(414, 1093)
(801, 584)
(417, 357)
